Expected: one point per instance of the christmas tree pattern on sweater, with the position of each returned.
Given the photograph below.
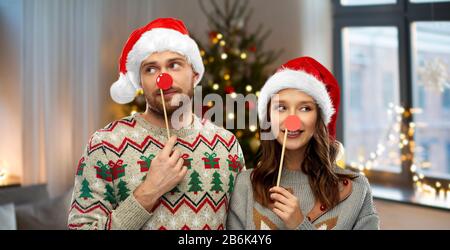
(118, 158)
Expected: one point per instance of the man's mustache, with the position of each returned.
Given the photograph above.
(171, 90)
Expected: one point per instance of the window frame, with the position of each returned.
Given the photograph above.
(400, 15)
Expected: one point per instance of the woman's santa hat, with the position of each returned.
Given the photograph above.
(162, 34)
(310, 77)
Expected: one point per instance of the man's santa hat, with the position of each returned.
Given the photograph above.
(310, 77)
(162, 34)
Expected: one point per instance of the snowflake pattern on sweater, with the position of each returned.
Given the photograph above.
(117, 159)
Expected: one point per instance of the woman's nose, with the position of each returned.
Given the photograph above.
(293, 111)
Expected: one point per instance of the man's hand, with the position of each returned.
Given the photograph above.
(165, 172)
(286, 207)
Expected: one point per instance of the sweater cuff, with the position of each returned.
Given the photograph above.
(306, 225)
(130, 215)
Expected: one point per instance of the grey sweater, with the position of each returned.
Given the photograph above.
(355, 210)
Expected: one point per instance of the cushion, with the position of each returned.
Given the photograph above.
(24, 194)
(7, 217)
(49, 214)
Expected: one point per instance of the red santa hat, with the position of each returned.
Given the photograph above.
(310, 77)
(162, 34)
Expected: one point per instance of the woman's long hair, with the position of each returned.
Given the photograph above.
(318, 163)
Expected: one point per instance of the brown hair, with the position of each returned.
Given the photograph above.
(318, 164)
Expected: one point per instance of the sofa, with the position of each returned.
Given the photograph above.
(31, 208)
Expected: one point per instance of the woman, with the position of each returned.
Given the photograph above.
(313, 192)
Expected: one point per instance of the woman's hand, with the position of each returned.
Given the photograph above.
(286, 207)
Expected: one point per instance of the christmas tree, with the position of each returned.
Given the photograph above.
(217, 183)
(195, 183)
(123, 190)
(109, 195)
(86, 192)
(231, 184)
(236, 63)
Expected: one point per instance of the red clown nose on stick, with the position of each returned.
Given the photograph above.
(164, 82)
(292, 123)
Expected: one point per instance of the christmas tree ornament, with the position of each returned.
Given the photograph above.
(164, 82)
(292, 123)
(434, 75)
(139, 92)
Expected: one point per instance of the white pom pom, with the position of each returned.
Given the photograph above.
(123, 91)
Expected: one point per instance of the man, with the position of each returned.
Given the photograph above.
(131, 175)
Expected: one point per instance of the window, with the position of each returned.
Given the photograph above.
(355, 91)
(371, 85)
(448, 156)
(428, 1)
(392, 59)
(446, 99)
(367, 2)
(430, 72)
(419, 96)
(389, 90)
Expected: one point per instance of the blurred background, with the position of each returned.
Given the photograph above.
(391, 58)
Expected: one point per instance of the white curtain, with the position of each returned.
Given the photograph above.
(61, 59)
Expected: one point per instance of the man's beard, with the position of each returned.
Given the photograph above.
(154, 101)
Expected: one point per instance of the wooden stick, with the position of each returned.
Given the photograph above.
(165, 114)
(282, 157)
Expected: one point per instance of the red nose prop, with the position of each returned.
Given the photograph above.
(164, 81)
(292, 123)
